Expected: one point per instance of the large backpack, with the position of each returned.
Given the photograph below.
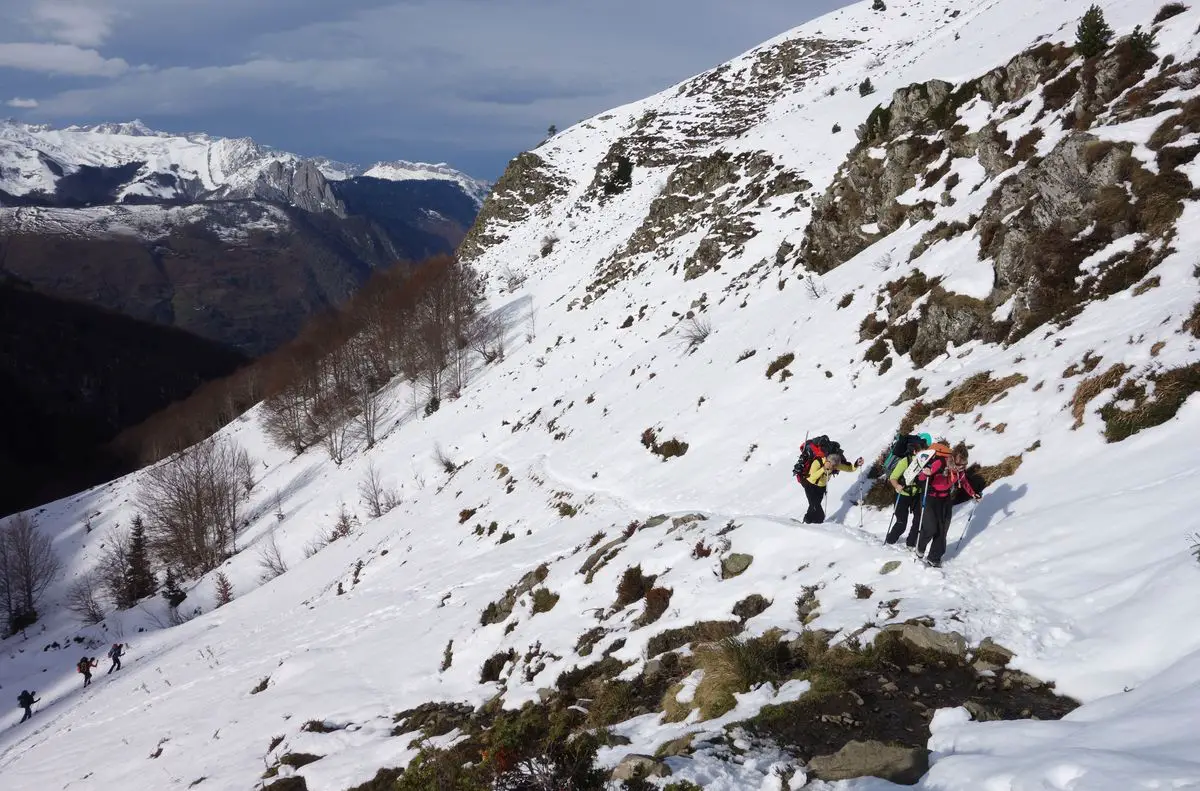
(922, 460)
(902, 445)
(813, 449)
(84, 666)
(25, 699)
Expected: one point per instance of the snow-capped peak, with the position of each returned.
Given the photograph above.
(172, 166)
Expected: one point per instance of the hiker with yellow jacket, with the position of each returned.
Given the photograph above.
(816, 478)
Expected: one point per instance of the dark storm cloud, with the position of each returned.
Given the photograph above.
(470, 82)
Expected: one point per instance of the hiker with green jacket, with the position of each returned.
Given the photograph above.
(908, 498)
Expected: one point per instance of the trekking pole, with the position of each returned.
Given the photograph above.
(966, 527)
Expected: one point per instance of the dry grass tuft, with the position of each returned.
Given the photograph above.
(1092, 386)
(733, 666)
(977, 391)
(1171, 389)
(995, 472)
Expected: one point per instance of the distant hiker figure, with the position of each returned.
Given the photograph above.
(85, 666)
(820, 459)
(943, 477)
(908, 495)
(26, 700)
(115, 653)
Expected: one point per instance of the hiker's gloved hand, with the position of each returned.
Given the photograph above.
(858, 462)
(978, 497)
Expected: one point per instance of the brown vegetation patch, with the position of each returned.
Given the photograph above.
(994, 472)
(978, 390)
(1171, 389)
(702, 632)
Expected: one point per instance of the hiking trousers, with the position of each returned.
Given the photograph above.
(816, 497)
(935, 525)
(28, 713)
(906, 506)
(116, 664)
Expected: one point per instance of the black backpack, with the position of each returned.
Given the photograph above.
(902, 446)
(813, 449)
(25, 699)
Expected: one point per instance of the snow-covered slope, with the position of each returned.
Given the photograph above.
(1076, 558)
(33, 159)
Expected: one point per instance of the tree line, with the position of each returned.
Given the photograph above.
(320, 390)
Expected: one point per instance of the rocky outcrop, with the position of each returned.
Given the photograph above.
(528, 182)
(716, 192)
(901, 765)
(1057, 205)
(299, 183)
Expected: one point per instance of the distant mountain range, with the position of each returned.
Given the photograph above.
(232, 240)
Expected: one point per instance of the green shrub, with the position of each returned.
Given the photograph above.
(866, 88)
(1093, 33)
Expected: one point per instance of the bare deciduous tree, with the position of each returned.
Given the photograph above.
(83, 600)
(191, 505)
(113, 570)
(694, 332)
(270, 559)
(377, 498)
(28, 566)
(487, 338)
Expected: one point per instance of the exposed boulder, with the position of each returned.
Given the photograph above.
(902, 765)
(637, 765)
(923, 638)
(735, 564)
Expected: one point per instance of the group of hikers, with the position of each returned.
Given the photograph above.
(927, 477)
(84, 666)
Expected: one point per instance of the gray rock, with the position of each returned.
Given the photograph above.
(889, 567)
(630, 764)
(902, 765)
(675, 747)
(656, 520)
(922, 637)
(735, 564)
(993, 653)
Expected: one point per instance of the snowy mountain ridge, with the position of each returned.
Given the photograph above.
(932, 215)
(33, 158)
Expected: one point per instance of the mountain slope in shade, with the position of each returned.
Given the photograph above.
(72, 376)
(997, 245)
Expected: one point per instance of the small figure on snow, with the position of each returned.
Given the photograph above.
(85, 666)
(943, 477)
(115, 653)
(908, 495)
(26, 700)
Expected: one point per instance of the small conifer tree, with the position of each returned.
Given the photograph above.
(878, 5)
(1142, 42)
(171, 591)
(140, 581)
(1093, 33)
(866, 88)
(224, 589)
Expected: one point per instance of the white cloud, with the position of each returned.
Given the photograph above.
(180, 90)
(75, 22)
(63, 59)
(22, 104)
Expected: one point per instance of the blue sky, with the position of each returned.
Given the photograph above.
(469, 82)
